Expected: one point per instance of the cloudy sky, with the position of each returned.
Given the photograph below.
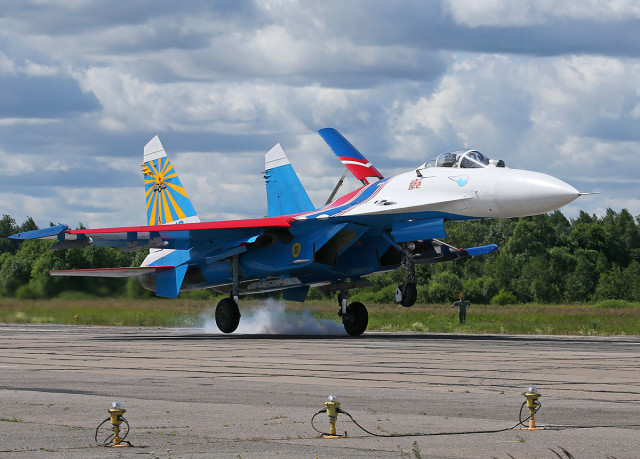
(84, 84)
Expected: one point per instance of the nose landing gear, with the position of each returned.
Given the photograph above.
(407, 292)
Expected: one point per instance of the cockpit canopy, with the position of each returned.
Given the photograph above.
(461, 158)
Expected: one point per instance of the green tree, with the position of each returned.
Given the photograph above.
(540, 281)
(587, 236)
(444, 287)
(503, 298)
(532, 236)
(612, 285)
(16, 271)
(631, 277)
(7, 228)
(581, 283)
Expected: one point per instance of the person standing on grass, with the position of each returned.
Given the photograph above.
(462, 305)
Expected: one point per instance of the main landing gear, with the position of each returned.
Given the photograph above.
(227, 311)
(355, 317)
(227, 315)
(407, 292)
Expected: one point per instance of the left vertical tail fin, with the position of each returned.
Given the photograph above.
(166, 199)
(285, 193)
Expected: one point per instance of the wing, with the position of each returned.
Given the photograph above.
(178, 236)
(179, 244)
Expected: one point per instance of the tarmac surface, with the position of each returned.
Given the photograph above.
(190, 394)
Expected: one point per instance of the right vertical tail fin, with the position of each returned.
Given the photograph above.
(166, 199)
(285, 193)
(353, 160)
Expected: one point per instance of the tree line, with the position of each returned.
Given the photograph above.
(546, 259)
(25, 266)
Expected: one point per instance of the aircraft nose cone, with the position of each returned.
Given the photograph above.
(522, 193)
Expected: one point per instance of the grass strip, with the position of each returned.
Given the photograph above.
(570, 319)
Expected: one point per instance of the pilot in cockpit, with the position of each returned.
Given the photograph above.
(462, 158)
(450, 160)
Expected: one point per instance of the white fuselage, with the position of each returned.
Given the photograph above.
(491, 192)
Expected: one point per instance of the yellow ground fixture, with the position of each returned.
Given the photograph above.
(115, 413)
(532, 397)
(117, 434)
(333, 408)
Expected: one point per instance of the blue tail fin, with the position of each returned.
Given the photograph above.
(285, 193)
(353, 160)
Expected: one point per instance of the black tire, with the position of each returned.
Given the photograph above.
(356, 320)
(409, 294)
(227, 315)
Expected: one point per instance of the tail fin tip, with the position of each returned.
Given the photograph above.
(154, 150)
(275, 158)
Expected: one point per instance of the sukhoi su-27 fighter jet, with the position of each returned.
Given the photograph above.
(388, 222)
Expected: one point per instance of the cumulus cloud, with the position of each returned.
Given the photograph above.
(83, 86)
(503, 13)
(550, 115)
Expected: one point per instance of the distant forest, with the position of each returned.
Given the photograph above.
(545, 259)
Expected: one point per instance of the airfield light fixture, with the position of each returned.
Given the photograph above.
(533, 404)
(115, 413)
(333, 408)
(119, 428)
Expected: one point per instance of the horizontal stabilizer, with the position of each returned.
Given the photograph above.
(112, 272)
(41, 233)
(353, 160)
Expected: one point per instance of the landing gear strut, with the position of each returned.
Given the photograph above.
(355, 317)
(407, 292)
(227, 311)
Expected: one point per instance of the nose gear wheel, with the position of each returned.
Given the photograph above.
(407, 293)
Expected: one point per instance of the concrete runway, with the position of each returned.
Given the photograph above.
(189, 394)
